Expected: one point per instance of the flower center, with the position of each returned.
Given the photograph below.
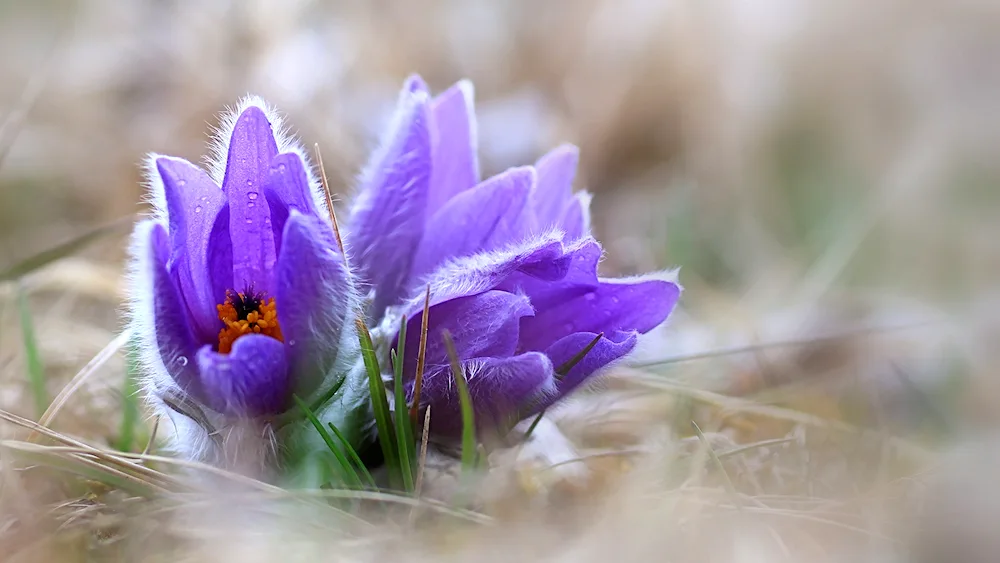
(248, 312)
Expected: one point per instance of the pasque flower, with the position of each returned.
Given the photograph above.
(509, 261)
(241, 296)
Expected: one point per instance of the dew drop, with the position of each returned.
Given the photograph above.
(182, 182)
(251, 204)
(281, 167)
(251, 195)
(249, 221)
(249, 182)
(183, 360)
(615, 300)
(291, 343)
(197, 209)
(589, 297)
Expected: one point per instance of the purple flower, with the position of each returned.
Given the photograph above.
(421, 201)
(240, 293)
(509, 260)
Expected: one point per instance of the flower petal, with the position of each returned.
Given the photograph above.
(544, 257)
(480, 325)
(500, 388)
(252, 380)
(556, 171)
(315, 300)
(174, 338)
(251, 149)
(455, 144)
(387, 220)
(612, 346)
(193, 206)
(580, 277)
(287, 188)
(489, 216)
(612, 306)
(575, 221)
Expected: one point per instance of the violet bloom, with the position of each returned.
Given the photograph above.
(240, 294)
(509, 260)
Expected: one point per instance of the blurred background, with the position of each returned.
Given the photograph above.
(823, 172)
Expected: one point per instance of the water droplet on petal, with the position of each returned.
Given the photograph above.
(249, 221)
(249, 182)
(182, 182)
(589, 297)
(281, 167)
(197, 209)
(183, 360)
(291, 343)
(251, 195)
(615, 300)
(251, 204)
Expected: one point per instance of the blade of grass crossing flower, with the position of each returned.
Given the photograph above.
(418, 380)
(380, 405)
(130, 402)
(404, 429)
(354, 456)
(329, 199)
(45, 257)
(36, 372)
(469, 452)
(347, 471)
(561, 372)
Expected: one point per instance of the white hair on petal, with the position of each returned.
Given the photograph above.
(221, 135)
(155, 195)
(189, 438)
(460, 275)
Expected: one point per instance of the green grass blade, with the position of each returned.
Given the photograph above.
(469, 452)
(36, 372)
(130, 402)
(45, 257)
(354, 456)
(404, 430)
(347, 470)
(380, 405)
(561, 372)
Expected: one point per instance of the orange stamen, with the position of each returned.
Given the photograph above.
(263, 320)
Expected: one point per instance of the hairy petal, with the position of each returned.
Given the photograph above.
(544, 257)
(489, 216)
(387, 220)
(175, 340)
(252, 380)
(580, 277)
(500, 388)
(287, 188)
(556, 171)
(315, 299)
(454, 142)
(611, 347)
(481, 325)
(252, 148)
(193, 206)
(575, 221)
(610, 307)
